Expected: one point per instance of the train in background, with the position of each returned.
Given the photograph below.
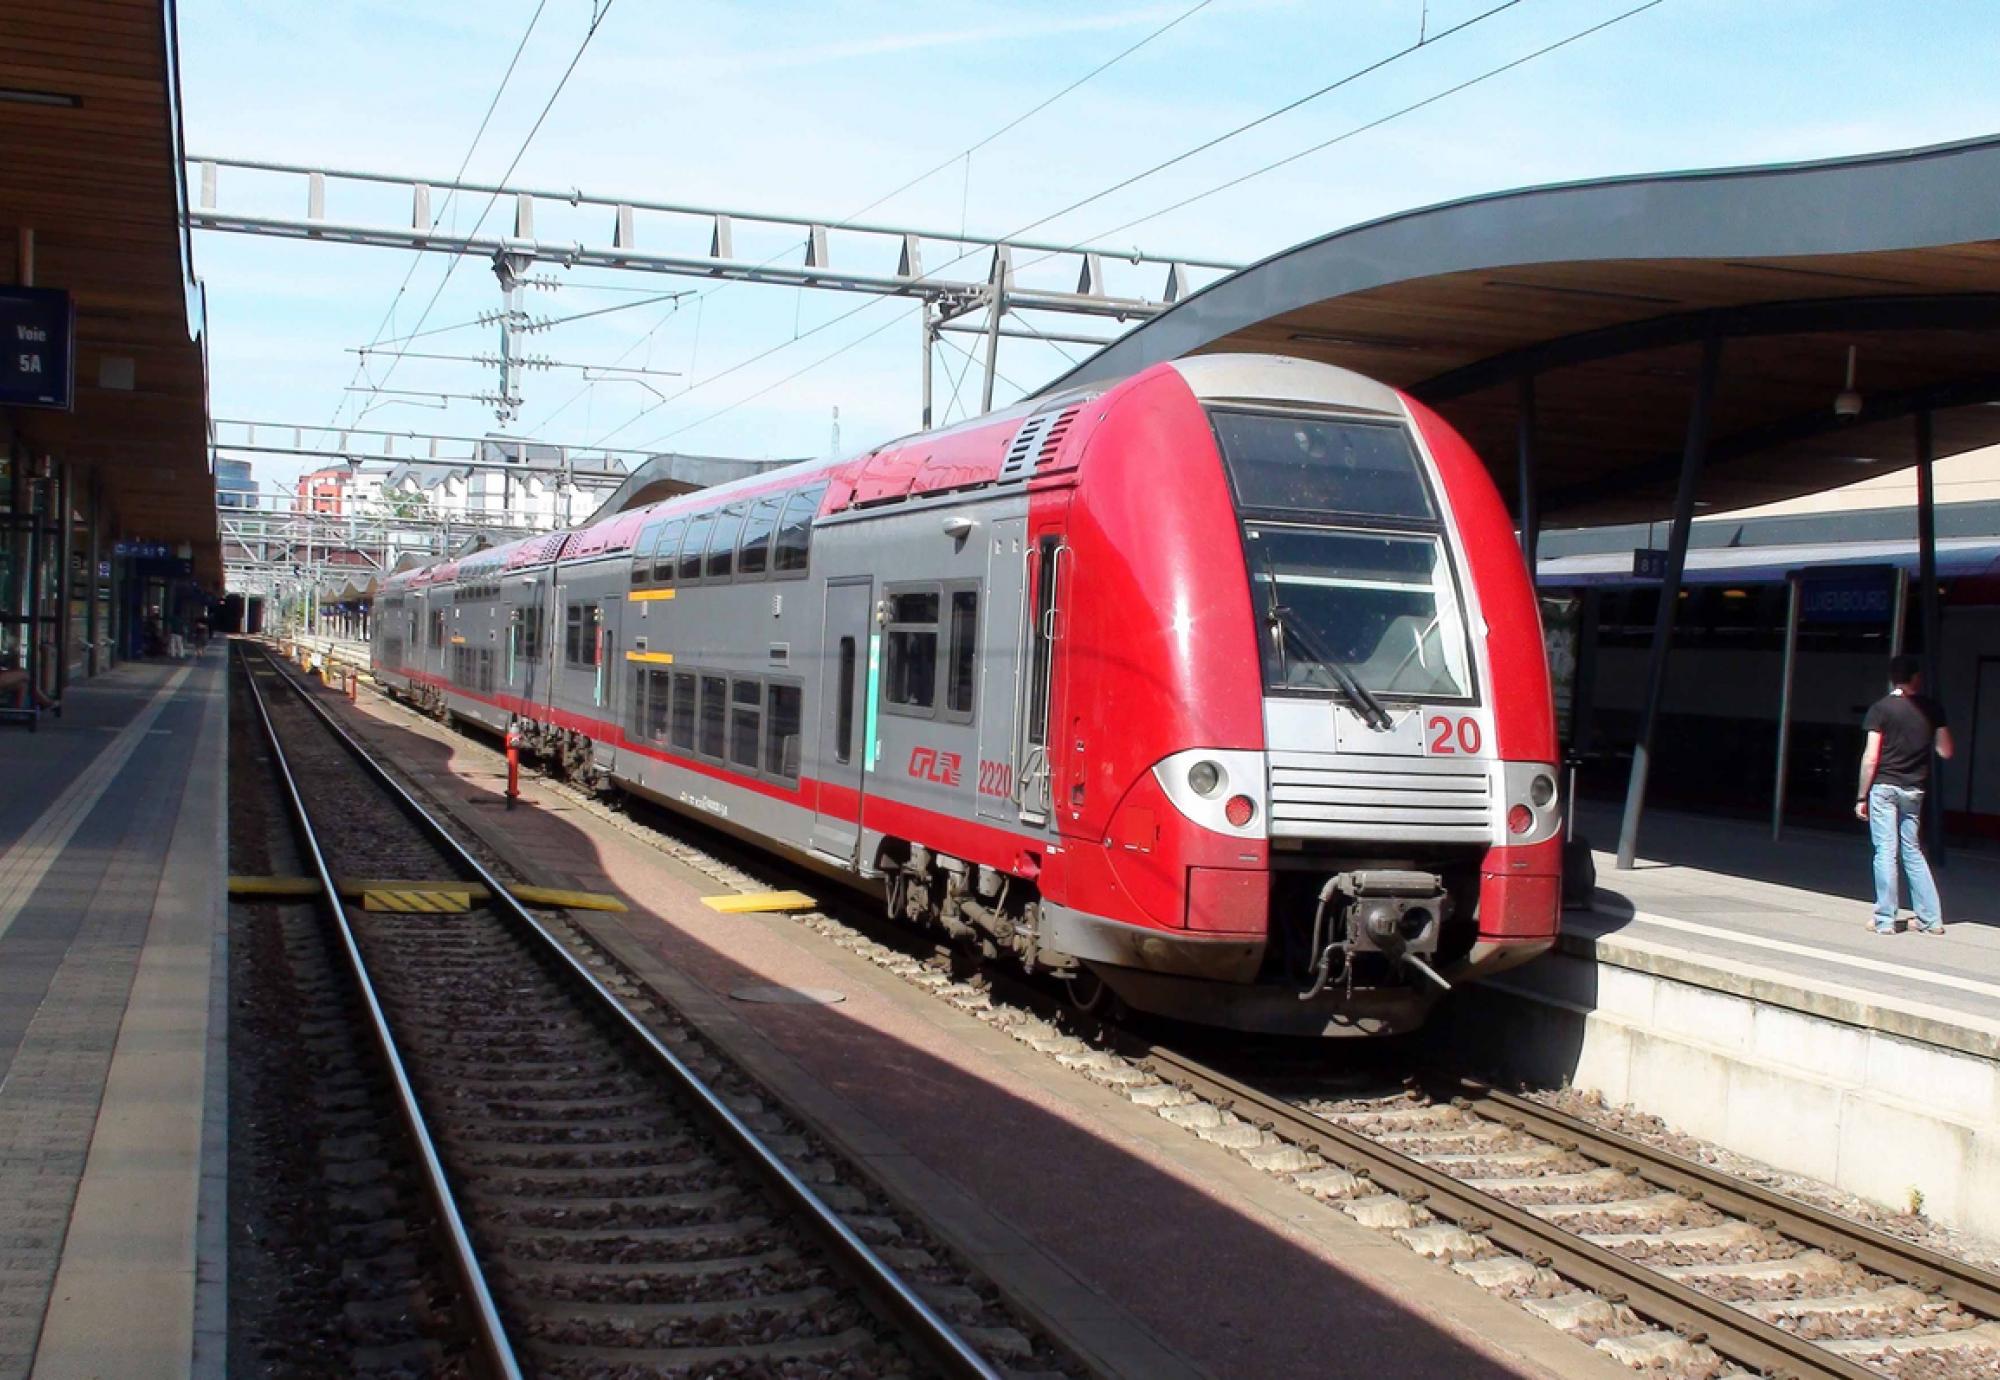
(1220, 689)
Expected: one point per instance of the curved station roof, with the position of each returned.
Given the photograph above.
(1604, 293)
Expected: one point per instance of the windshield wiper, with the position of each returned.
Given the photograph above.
(1359, 695)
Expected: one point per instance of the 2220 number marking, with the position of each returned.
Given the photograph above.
(996, 779)
(1450, 737)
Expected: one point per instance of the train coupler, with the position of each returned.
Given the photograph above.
(1393, 912)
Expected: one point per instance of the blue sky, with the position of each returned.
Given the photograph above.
(820, 109)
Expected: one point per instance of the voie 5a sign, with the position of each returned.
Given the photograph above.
(37, 348)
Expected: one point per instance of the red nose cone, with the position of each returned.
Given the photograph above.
(1239, 811)
(1520, 819)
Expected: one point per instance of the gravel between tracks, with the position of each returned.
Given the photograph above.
(619, 1239)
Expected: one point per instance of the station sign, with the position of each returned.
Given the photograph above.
(1649, 563)
(142, 550)
(37, 348)
(1848, 594)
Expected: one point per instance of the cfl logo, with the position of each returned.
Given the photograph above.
(928, 764)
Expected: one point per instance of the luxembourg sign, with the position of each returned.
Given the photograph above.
(37, 348)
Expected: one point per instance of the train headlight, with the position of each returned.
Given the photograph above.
(1240, 810)
(1520, 819)
(1542, 790)
(1205, 778)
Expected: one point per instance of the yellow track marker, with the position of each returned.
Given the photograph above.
(529, 895)
(568, 900)
(273, 886)
(424, 901)
(759, 900)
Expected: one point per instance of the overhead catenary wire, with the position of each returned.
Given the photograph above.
(416, 257)
(1363, 128)
(1432, 99)
(964, 154)
(598, 15)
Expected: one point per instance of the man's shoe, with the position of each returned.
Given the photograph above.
(1883, 929)
(1931, 929)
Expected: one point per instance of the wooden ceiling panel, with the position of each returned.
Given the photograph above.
(98, 184)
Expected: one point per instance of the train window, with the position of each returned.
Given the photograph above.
(437, 628)
(714, 714)
(530, 646)
(680, 723)
(666, 547)
(722, 544)
(755, 557)
(582, 631)
(1340, 606)
(746, 717)
(843, 737)
(964, 653)
(1323, 465)
(1041, 642)
(782, 717)
(659, 694)
(910, 663)
(792, 546)
(693, 547)
(642, 552)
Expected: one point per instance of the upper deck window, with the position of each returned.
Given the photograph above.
(1323, 465)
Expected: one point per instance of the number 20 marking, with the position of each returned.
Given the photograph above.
(1450, 737)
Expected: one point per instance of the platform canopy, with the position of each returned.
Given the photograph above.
(1597, 297)
(90, 163)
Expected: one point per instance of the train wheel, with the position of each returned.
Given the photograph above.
(1087, 992)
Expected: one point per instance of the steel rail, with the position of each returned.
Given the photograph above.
(892, 1296)
(1958, 1280)
(1735, 1334)
(493, 1339)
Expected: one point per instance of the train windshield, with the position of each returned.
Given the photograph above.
(1336, 605)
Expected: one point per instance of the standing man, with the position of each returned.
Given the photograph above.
(1903, 729)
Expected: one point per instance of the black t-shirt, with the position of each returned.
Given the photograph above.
(1908, 725)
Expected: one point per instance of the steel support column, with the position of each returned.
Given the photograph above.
(1693, 452)
(65, 505)
(929, 336)
(1529, 511)
(1931, 618)
(1794, 586)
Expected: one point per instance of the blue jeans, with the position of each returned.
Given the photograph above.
(1893, 812)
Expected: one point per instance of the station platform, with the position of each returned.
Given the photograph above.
(1733, 986)
(112, 849)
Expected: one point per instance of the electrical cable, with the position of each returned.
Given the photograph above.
(416, 256)
(598, 16)
(965, 154)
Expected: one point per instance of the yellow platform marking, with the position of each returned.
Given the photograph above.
(652, 658)
(273, 886)
(434, 900)
(568, 900)
(760, 900)
(471, 891)
(648, 596)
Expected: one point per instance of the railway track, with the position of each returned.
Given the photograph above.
(605, 1208)
(1660, 1259)
(1675, 1267)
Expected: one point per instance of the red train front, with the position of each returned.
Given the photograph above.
(1301, 758)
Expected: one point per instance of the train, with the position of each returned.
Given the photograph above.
(1218, 691)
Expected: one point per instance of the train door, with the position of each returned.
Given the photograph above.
(1049, 580)
(846, 717)
(1000, 666)
(1982, 751)
(607, 693)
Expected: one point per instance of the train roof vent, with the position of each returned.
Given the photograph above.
(1052, 435)
(1027, 450)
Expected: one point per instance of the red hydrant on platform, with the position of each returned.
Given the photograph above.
(513, 764)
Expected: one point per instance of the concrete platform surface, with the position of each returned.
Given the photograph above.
(1797, 913)
(112, 845)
